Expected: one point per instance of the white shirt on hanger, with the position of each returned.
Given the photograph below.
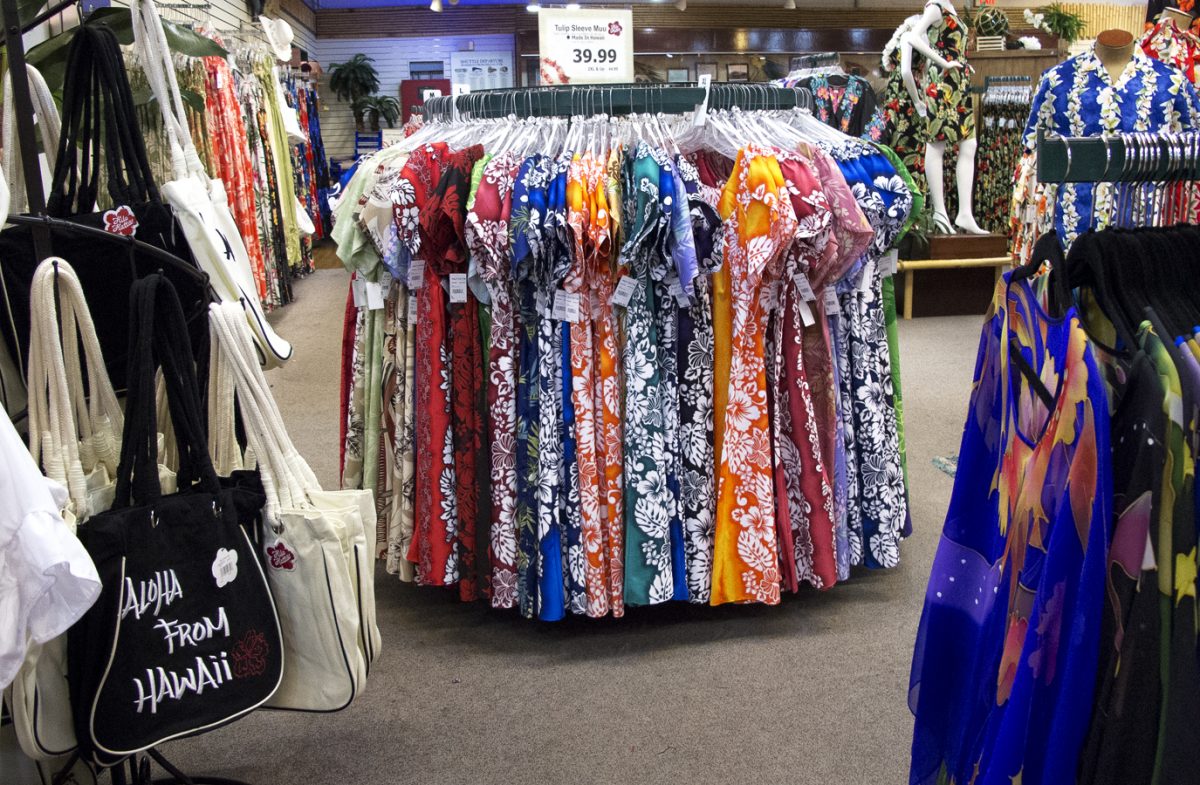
(47, 579)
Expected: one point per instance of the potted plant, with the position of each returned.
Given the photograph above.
(370, 109)
(353, 81)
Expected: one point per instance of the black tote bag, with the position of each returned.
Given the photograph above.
(184, 637)
(101, 145)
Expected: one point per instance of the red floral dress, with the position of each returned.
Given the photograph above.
(442, 223)
(433, 546)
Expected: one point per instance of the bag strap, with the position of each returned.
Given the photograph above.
(151, 40)
(49, 125)
(159, 339)
(100, 128)
(222, 433)
(55, 379)
(287, 477)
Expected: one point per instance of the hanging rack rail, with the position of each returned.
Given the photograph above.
(1138, 157)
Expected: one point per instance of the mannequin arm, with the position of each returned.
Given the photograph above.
(918, 38)
(910, 83)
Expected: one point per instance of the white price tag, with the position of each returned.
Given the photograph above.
(1030, 213)
(624, 292)
(566, 306)
(416, 273)
(806, 314)
(374, 296)
(411, 320)
(359, 287)
(806, 290)
(458, 287)
(868, 277)
(701, 115)
(385, 280)
(833, 306)
(585, 46)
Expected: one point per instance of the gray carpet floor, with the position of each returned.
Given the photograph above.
(812, 691)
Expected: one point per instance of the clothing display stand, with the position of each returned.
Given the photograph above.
(1116, 159)
(617, 99)
(139, 765)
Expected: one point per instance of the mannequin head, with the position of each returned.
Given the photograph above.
(1115, 50)
(1182, 19)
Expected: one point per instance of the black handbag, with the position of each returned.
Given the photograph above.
(184, 637)
(101, 144)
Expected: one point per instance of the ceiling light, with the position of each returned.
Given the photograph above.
(533, 8)
(435, 6)
(789, 5)
(669, 55)
(572, 6)
(681, 5)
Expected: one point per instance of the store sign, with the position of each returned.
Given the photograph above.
(586, 46)
(482, 70)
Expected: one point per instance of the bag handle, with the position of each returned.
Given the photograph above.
(100, 128)
(287, 477)
(159, 338)
(49, 125)
(58, 404)
(149, 37)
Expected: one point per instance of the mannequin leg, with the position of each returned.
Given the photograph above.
(964, 176)
(934, 178)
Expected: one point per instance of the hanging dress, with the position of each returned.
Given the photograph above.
(487, 235)
(697, 493)
(745, 555)
(649, 576)
(1005, 662)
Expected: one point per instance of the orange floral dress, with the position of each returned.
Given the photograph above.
(760, 225)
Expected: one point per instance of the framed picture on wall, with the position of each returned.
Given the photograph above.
(679, 74)
(706, 69)
(737, 72)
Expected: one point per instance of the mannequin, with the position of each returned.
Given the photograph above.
(1115, 50)
(1182, 19)
(940, 15)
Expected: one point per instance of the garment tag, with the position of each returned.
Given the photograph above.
(833, 306)
(891, 262)
(225, 567)
(359, 287)
(385, 281)
(566, 306)
(374, 296)
(416, 273)
(624, 292)
(412, 312)
(806, 290)
(701, 114)
(806, 314)
(1030, 213)
(868, 278)
(458, 287)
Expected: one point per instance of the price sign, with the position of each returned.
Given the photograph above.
(586, 46)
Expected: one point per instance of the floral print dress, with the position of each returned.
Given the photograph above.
(761, 223)
(950, 102)
(487, 235)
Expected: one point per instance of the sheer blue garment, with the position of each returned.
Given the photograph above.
(1004, 667)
